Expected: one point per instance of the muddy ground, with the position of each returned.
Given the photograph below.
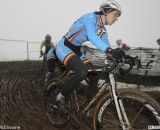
(21, 95)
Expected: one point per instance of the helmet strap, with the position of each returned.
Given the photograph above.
(105, 19)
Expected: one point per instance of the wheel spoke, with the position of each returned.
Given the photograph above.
(113, 122)
(132, 107)
(137, 115)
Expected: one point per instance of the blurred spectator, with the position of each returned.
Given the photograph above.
(158, 41)
(122, 45)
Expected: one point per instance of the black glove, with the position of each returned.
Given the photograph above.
(41, 53)
(117, 53)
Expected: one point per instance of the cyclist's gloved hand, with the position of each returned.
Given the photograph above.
(125, 47)
(117, 53)
(41, 53)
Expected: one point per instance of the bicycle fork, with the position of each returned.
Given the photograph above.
(119, 105)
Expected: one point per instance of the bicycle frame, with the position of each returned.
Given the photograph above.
(119, 104)
(115, 97)
(104, 89)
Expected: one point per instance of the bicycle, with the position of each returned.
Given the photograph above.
(111, 108)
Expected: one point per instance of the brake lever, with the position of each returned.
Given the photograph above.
(115, 63)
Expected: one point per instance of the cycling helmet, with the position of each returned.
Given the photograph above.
(47, 37)
(108, 6)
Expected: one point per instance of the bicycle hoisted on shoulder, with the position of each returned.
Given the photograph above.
(111, 107)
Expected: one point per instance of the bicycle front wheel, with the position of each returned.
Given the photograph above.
(141, 109)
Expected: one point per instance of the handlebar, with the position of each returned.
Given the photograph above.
(111, 64)
(109, 59)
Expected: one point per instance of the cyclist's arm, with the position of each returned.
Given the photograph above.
(52, 45)
(42, 44)
(104, 44)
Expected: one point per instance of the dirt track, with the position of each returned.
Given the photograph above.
(21, 95)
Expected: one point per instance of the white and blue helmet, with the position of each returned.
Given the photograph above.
(108, 6)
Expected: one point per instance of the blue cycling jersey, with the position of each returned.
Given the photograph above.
(88, 28)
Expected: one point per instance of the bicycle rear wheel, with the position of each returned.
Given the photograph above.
(141, 110)
(58, 118)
